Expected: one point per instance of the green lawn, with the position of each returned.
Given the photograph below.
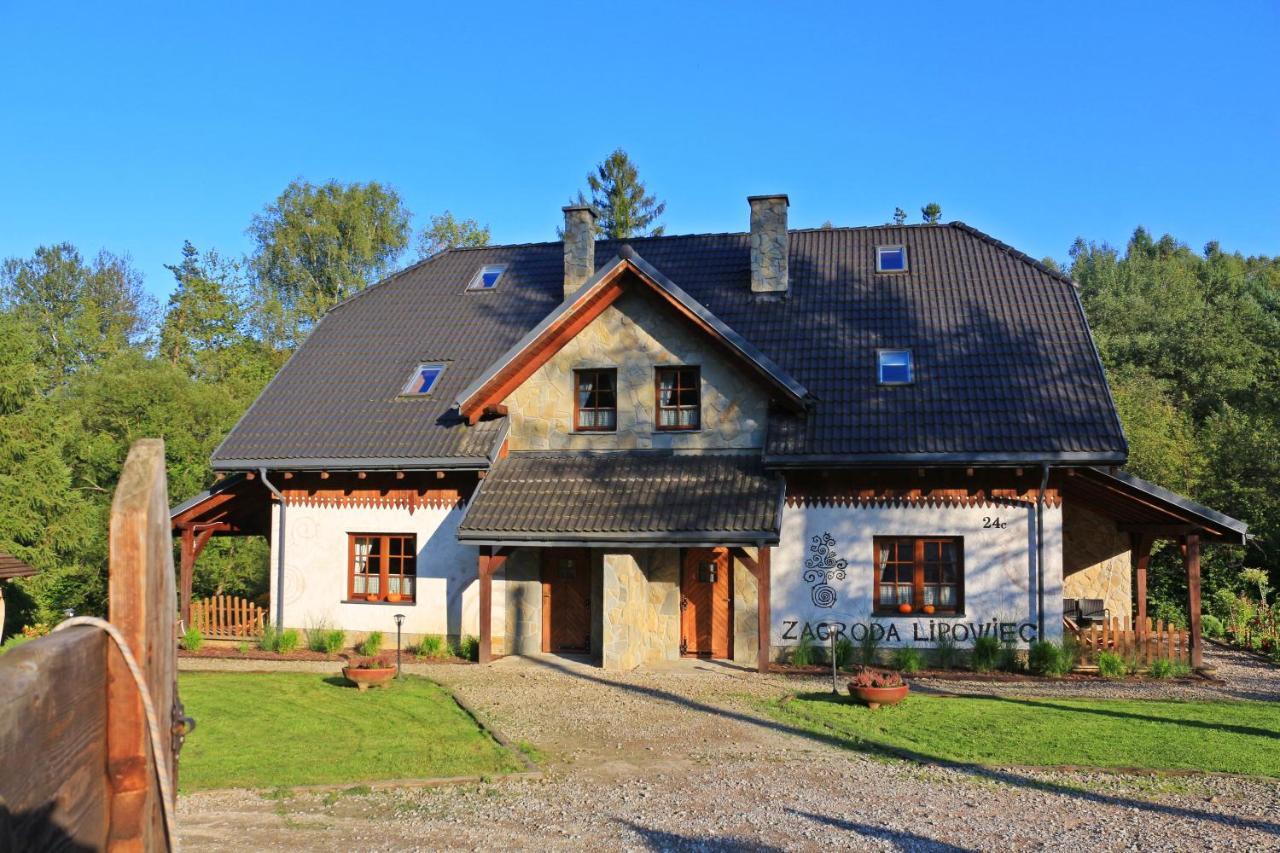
(283, 729)
(1229, 737)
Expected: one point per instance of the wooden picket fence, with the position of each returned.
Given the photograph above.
(227, 617)
(1145, 643)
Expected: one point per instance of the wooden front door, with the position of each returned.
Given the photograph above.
(706, 603)
(566, 600)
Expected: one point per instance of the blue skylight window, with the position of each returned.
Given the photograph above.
(424, 379)
(891, 258)
(488, 277)
(894, 367)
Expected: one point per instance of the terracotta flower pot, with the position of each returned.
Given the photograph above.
(904, 608)
(366, 678)
(874, 697)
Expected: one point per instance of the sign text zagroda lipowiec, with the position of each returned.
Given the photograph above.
(921, 632)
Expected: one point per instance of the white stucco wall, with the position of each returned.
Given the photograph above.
(999, 567)
(315, 583)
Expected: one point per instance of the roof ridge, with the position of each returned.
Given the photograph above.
(1012, 252)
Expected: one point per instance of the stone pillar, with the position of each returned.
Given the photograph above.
(523, 589)
(625, 608)
(746, 604)
(769, 243)
(579, 246)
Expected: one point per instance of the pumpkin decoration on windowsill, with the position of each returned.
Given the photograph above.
(928, 609)
(904, 608)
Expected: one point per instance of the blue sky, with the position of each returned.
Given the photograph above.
(134, 129)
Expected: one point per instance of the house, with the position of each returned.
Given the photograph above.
(705, 445)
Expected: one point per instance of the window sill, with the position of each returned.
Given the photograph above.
(384, 603)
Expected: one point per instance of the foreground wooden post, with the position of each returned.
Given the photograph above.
(486, 604)
(1191, 559)
(763, 610)
(1140, 545)
(141, 601)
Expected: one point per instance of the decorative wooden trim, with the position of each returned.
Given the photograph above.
(410, 499)
(996, 498)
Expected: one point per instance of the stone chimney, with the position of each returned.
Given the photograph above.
(579, 246)
(769, 243)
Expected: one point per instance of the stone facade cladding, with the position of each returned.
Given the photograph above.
(635, 335)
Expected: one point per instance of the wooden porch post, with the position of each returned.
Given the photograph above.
(1191, 559)
(1140, 545)
(763, 607)
(486, 604)
(188, 568)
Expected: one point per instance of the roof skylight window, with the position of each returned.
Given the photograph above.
(891, 258)
(424, 379)
(893, 367)
(488, 277)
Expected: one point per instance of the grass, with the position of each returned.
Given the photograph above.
(277, 730)
(1226, 737)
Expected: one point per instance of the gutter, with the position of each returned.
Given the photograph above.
(279, 608)
(1044, 483)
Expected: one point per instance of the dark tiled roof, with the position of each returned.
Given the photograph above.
(1005, 367)
(631, 497)
(12, 567)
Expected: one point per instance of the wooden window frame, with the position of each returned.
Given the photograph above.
(384, 567)
(917, 575)
(657, 397)
(577, 409)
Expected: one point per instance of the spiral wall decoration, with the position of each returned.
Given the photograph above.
(823, 566)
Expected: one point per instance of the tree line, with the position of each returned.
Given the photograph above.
(88, 364)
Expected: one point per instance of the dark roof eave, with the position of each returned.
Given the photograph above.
(857, 460)
(220, 486)
(372, 463)
(1159, 493)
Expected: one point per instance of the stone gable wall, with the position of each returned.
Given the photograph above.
(634, 335)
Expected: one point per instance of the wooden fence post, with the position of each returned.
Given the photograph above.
(141, 603)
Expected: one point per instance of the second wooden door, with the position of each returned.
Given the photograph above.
(706, 603)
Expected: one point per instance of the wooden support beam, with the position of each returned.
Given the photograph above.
(288, 475)
(1140, 554)
(1159, 531)
(324, 475)
(187, 571)
(439, 475)
(763, 609)
(399, 475)
(1191, 559)
(485, 570)
(362, 474)
(249, 475)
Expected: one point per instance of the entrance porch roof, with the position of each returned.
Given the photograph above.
(1139, 506)
(639, 498)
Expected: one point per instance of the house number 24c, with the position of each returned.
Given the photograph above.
(989, 523)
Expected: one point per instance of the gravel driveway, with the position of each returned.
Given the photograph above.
(682, 759)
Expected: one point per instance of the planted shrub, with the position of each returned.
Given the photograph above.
(1112, 665)
(946, 652)
(1009, 660)
(322, 638)
(288, 641)
(192, 640)
(986, 653)
(1161, 668)
(430, 646)
(844, 652)
(270, 639)
(242, 647)
(869, 644)
(805, 652)
(468, 648)
(1069, 652)
(1045, 658)
(866, 676)
(908, 660)
(1211, 626)
(371, 645)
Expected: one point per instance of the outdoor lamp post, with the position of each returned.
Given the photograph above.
(399, 617)
(832, 630)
